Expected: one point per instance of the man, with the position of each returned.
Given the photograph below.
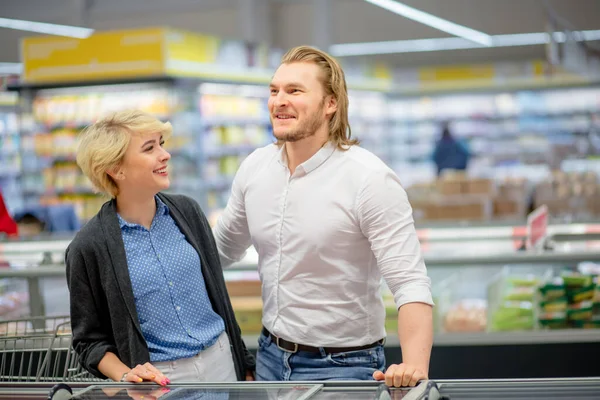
(327, 219)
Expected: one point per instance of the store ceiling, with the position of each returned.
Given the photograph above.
(292, 21)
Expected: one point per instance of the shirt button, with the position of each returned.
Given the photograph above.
(170, 283)
(178, 308)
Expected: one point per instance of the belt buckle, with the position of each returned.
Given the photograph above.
(289, 351)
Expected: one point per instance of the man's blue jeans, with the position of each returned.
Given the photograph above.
(274, 364)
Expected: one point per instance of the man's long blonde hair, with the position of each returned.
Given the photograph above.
(334, 84)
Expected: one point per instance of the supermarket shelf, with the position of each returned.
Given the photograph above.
(429, 233)
(491, 118)
(41, 246)
(487, 258)
(233, 121)
(514, 338)
(490, 338)
(489, 232)
(235, 150)
(513, 258)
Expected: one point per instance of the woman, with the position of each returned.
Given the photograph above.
(148, 298)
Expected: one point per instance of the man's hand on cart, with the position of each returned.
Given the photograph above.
(146, 372)
(398, 375)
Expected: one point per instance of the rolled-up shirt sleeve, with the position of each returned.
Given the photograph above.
(385, 217)
(231, 232)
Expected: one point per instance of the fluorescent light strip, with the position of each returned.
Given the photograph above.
(433, 21)
(42, 27)
(441, 44)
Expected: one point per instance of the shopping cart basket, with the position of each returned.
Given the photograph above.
(39, 349)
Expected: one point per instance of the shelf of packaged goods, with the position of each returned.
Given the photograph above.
(521, 117)
(232, 150)
(234, 121)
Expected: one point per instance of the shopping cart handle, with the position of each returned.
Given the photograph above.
(61, 391)
(383, 392)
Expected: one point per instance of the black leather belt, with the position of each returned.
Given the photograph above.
(292, 347)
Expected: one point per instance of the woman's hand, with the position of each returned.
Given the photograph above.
(250, 376)
(146, 372)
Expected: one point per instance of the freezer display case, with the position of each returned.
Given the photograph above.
(582, 388)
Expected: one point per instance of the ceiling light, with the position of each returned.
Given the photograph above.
(433, 21)
(441, 44)
(42, 27)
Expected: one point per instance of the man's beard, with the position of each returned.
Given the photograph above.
(307, 129)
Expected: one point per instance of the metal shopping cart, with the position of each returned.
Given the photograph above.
(39, 349)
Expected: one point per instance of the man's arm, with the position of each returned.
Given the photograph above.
(231, 232)
(415, 331)
(385, 217)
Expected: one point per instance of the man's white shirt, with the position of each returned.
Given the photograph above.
(324, 236)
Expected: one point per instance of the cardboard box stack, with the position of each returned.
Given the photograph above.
(511, 200)
(570, 194)
(453, 197)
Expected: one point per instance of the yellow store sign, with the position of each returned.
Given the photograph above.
(126, 54)
(114, 54)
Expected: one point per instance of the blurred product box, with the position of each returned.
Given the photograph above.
(480, 187)
(244, 288)
(451, 187)
(507, 208)
(248, 313)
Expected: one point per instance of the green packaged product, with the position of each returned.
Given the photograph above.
(528, 280)
(576, 279)
(553, 320)
(554, 305)
(521, 293)
(514, 324)
(593, 323)
(580, 294)
(596, 299)
(553, 289)
(513, 315)
(580, 311)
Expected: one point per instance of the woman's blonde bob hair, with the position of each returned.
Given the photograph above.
(334, 84)
(103, 144)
